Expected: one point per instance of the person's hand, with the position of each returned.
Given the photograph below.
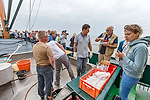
(116, 56)
(102, 39)
(65, 34)
(53, 67)
(91, 54)
(119, 54)
(75, 55)
(105, 44)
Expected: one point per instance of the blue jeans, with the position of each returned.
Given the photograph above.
(45, 79)
(81, 65)
(126, 85)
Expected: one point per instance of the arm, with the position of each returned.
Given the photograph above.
(99, 39)
(60, 46)
(90, 46)
(51, 57)
(52, 61)
(74, 47)
(113, 46)
(137, 64)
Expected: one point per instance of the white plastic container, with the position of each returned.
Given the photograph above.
(6, 73)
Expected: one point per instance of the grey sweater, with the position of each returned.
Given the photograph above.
(135, 62)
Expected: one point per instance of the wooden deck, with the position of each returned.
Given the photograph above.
(20, 87)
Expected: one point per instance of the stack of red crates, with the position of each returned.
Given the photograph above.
(92, 91)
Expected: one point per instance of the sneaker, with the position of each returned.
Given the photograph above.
(116, 97)
(57, 84)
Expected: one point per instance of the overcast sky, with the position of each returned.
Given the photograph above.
(72, 14)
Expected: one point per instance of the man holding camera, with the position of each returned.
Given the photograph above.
(63, 38)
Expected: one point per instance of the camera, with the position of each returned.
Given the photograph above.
(67, 33)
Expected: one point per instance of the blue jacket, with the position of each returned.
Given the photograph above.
(120, 45)
(50, 38)
(135, 62)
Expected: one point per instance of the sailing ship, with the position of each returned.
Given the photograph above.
(14, 89)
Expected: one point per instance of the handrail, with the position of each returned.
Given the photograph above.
(96, 50)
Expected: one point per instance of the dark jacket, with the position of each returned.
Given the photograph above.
(72, 42)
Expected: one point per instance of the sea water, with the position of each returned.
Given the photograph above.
(95, 45)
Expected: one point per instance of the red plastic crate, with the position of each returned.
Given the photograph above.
(92, 91)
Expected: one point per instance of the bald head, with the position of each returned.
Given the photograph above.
(109, 30)
(111, 27)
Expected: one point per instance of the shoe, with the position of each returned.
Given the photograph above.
(56, 92)
(57, 84)
(42, 98)
(116, 97)
(72, 78)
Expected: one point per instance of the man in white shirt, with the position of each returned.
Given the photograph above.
(60, 58)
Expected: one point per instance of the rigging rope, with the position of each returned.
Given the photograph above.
(30, 12)
(36, 15)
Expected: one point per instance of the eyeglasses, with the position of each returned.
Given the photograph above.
(107, 30)
(46, 36)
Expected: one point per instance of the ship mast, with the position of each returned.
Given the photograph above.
(3, 17)
(5, 22)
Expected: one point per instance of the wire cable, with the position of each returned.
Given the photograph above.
(36, 15)
(29, 90)
(23, 77)
(30, 11)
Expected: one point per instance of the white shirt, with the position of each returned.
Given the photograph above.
(125, 48)
(57, 52)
